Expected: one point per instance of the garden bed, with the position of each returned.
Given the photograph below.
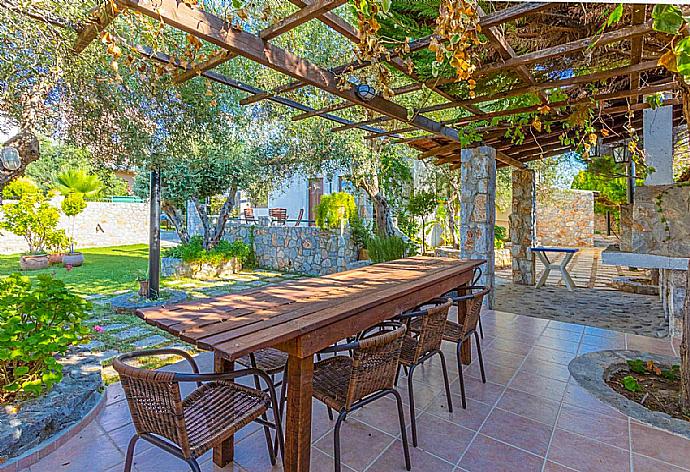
(601, 373)
(29, 427)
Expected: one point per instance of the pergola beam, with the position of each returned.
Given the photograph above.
(512, 13)
(440, 150)
(223, 80)
(500, 156)
(195, 70)
(319, 7)
(636, 44)
(213, 29)
(101, 17)
(569, 82)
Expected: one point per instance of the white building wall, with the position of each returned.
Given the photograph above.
(294, 194)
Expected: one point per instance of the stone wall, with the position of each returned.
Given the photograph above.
(478, 210)
(99, 225)
(566, 218)
(522, 227)
(306, 250)
(660, 222)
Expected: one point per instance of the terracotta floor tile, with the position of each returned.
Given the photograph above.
(360, 444)
(115, 416)
(486, 454)
(579, 397)
(647, 464)
(155, 459)
(209, 466)
(613, 431)
(514, 346)
(322, 461)
(538, 385)
(501, 357)
(383, 414)
(123, 435)
(586, 455)
(470, 418)
(530, 406)
(550, 355)
(572, 336)
(393, 460)
(557, 344)
(423, 393)
(484, 392)
(88, 450)
(604, 333)
(518, 431)
(497, 374)
(609, 342)
(546, 369)
(553, 467)
(648, 344)
(660, 445)
(252, 454)
(442, 438)
(553, 324)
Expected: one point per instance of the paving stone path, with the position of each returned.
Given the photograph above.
(594, 302)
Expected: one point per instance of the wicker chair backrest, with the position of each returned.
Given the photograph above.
(473, 311)
(431, 329)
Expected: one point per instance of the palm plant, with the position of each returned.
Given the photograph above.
(77, 181)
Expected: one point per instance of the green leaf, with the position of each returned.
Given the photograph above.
(630, 383)
(20, 371)
(615, 15)
(386, 6)
(667, 19)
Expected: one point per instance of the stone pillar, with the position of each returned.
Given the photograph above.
(194, 227)
(523, 233)
(658, 144)
(478, 210)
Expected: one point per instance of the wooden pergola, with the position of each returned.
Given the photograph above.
(439, 140)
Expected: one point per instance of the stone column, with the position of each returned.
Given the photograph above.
(478, 210)
(658, 144)
(194, 227)
(523, 233)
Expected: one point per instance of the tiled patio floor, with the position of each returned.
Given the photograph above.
(531, 416)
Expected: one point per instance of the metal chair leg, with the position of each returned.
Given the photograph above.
(281, 405)
(462, 380)
(330, 413)
(403, 429)
(481, 330)
(267, 430)
(336, 439)
(194, 465)
(130, 453)
(479, 354)
(410, 390)
(397, 375)
(445, 380)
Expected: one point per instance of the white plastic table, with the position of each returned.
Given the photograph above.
(541, 253)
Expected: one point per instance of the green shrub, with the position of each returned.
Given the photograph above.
(194, 252)
(18, 187)
(500, 236)
(335, 208)
(385, 248)
(360, 232)
(73, 204)
(38, 321)
(33, 219)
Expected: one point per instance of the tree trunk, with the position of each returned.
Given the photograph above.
(684, 352)
(29, 150)
(176, 217)
(214, 233)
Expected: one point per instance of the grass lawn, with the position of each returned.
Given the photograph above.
(105, 270)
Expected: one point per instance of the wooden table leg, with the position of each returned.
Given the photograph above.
(223, 454)
(466, 348)
(298, 419)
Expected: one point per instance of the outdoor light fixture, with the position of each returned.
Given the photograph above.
(10, 158)
(365, 92)
(621, 154)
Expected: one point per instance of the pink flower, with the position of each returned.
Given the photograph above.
(98, 328)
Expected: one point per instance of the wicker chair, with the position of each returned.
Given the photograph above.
(189, 427)
(347, 383)
(422, 344)
(461, 331)
(272, 362)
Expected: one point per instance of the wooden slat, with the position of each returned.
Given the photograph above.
(440, 150)
(214, 30)
(512, 13)
(303, 15)
(378, 119)
(383, 134)
(196, 70)
(569, 82)
(500, 156)
(100, 18)
(321, 111)
(638, 17)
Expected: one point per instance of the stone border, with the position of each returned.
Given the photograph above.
(35, 454)
(590, 370)
(122, 303)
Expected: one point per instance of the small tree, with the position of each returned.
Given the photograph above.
(33, 219)
(72, 205)
(335, 209)
(79, 182)
(422, 204)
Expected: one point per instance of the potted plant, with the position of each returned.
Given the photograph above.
(360, 234)
(143, 279)
(72, 205)
(36, 221)
(57, 244)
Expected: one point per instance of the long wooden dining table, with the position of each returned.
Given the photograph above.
(302, 317)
